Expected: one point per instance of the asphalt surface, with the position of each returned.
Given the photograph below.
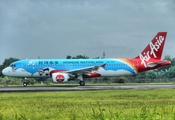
(78, 88)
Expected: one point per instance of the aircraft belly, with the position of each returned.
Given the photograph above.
(114, 73)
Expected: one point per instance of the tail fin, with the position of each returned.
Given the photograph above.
(155, 48)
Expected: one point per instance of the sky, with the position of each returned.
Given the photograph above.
(56, 28)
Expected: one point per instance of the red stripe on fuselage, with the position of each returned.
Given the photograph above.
(91, 75)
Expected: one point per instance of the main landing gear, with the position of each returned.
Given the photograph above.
(25, 82)
(82, 83)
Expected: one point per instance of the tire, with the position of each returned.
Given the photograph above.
(25, 84)
(82, 83)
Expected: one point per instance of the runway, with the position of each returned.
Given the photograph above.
(80, 88)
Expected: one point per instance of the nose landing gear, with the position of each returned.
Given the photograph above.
(25, 82)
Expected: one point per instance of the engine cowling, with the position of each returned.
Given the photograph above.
(60, 77)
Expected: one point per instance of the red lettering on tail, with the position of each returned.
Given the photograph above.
(154, 49)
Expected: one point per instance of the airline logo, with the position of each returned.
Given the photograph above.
(154, 47)
(60, 78)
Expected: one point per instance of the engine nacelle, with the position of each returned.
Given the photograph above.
(60, 77)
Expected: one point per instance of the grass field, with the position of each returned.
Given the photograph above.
(151, 104)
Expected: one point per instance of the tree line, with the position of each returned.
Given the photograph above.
(164, 74)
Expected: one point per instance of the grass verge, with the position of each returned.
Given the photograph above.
(152, 104)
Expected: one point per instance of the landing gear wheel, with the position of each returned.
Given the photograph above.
(25, 84)
(82, 83)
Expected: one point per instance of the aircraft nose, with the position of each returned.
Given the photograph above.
(5, 71)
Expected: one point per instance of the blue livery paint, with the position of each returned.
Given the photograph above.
(32, 66)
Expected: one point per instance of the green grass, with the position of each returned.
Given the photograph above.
(151, 104)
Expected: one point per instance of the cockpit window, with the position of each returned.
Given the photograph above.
(13, 67)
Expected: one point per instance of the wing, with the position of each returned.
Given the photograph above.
(85, 70)
(80, 71)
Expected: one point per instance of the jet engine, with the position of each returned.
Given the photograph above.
(60, 77)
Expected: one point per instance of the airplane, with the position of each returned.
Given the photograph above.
(63, 70)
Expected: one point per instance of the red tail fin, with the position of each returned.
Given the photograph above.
(155, 48)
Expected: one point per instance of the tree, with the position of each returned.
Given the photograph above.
(1, 68)
(151, 74)
(168, 58)
(8, 61)
(80, 57)
(173, 62)
(123, 79)
(171, 72)
(69, 57)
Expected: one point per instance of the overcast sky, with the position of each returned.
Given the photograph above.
(57, 28)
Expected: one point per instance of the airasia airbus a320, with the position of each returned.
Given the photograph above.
(63, 70)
